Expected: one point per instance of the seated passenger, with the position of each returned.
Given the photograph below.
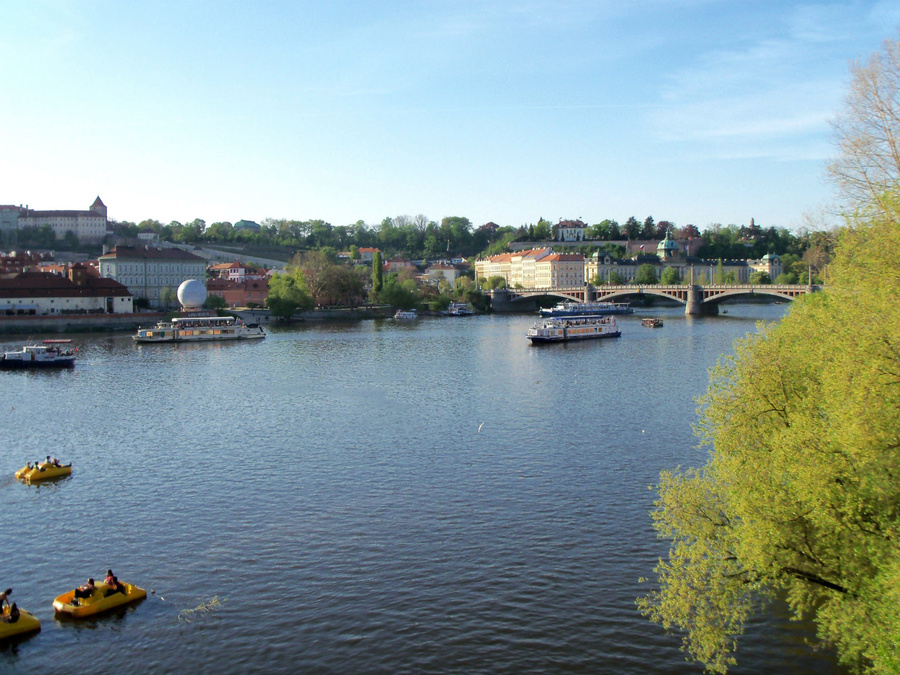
(110, 578)
(4, 597)
(117, 587)
(12, 615)
(85, 590)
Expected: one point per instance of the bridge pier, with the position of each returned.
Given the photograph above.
(695, 305)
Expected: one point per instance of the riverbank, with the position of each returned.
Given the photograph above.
(99, 323)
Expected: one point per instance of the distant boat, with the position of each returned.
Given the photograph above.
(50, 354)
(584, 308)
(402, 314)
(652, 322)
(458, 309)
(559, 329)
(200, 329)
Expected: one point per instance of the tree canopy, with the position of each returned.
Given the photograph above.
(867, 131)
(801, 494)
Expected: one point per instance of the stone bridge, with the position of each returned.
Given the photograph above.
(697, 299)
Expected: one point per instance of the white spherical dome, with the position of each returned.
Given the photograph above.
(191, 293)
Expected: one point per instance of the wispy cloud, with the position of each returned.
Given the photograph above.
(768, 97)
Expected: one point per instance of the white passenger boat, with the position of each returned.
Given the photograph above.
(200, 329)
(587, 308)
(559, 329)
(49, 354)
(458, 309)
(406, 314)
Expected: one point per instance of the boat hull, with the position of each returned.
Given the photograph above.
(540, 339)
(98, 601)
(23, 364)
(42, 472)
(25, 624)
(200, 338)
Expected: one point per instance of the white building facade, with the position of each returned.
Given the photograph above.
(152, 273)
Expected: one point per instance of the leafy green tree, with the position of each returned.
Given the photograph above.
(646, 274)
(760, 278)
(786, 278)
(214, 302)
(70, 241)
(377, 273)
(670, 277)
(632, 228)
(720, 272)
(288, 293)
(800, 497)
(168, 297)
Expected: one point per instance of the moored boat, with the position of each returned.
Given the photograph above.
(12, 627)
(587, 308)
(559, 329)
(652, 322)
(200, 329)
(406, 314)
(101, 599)
(43, 471)
(48, 354)
(458, 309)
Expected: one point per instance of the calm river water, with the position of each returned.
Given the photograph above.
(429, 497)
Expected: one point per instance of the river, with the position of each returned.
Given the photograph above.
(437, 496)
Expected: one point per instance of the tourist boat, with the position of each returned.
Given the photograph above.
(26, 623)
(43, 471)
(97, 602)
(406, 314)
(200, 329)
(48, 354)
(652, 322)
(559, 329)
(458, 309)
(587, 308)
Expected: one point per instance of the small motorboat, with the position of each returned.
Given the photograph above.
(654, 322)
(50, 354)
(101, 599)
(43, 471)
(406, 314)
(25, 623)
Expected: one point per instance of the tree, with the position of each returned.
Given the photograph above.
(632, 228)
(288, 293)
(214, 302)
(800, 496)
(646, 274)
(168, 297)
(867, 131)
(670, 277)
(759, 278)
(377, 273)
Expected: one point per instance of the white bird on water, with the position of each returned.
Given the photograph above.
(480, 425)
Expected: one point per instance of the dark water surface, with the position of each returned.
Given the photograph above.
(434, 497)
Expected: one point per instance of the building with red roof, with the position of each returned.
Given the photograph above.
(45, 293)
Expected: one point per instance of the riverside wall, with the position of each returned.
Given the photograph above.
(76, 323)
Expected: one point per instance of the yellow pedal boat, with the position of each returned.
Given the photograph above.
(43, 471)
(98, 601)
(26, 623)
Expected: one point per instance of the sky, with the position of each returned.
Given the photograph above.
(691, 111)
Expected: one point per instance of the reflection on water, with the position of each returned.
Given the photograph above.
(371, 497)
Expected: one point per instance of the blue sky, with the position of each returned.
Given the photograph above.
(693, 111)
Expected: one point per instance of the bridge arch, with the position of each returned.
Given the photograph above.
(696, 298)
